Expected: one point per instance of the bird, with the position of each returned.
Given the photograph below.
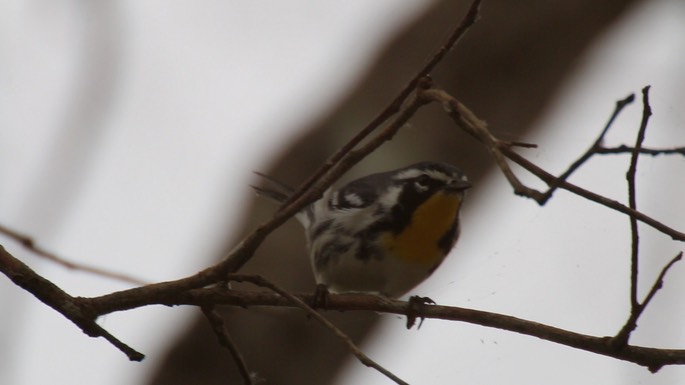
(384, 233)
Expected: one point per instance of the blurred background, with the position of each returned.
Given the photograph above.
(129, 131)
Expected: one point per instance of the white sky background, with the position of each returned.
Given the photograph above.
(201, 88)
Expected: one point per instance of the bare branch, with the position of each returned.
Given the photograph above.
(71, 308)
(477, 128)
(593, 149)
(632, 198)
(623, 149)
(637, 308)
(622, 337)
(499, 150)
(610, 203)
(652, 358)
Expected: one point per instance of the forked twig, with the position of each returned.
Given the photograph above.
(637, 307)
(363, 358)
(632, 197)
(621, 338)
(500, 150)
(593, 149)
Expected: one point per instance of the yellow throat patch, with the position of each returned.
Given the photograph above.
(418, 242)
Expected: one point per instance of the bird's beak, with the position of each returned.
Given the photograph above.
(458, 185)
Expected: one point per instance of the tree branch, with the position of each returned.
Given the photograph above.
(637, 308)
(72, 308)
(31, 245)
(468, 121)
(652, 358)
(623, 149)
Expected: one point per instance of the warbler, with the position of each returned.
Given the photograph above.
(384, 233)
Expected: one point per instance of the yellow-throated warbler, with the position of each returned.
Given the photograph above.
(384, 233)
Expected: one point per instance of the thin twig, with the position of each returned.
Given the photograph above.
(636, 308)
(31, 245)
(659, 282)
(363, 358)
(632, 197)
(610, 203)
(477, 128)
(326, 175)
(467, 120)
(594, 148)
(621, 338)
(623, 149)
(225, 340)
(245, 249)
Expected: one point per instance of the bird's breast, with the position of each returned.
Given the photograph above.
(419, 241)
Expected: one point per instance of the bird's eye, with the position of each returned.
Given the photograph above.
(423, 182)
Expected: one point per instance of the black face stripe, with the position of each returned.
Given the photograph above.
(400, 214)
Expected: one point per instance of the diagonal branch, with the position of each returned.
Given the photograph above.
(31, 245)
(396, 104)
(589, 195)
(477, 128)
(594, 148)
(343, 160)
(500, 150)
(71, 308)
(621, 338)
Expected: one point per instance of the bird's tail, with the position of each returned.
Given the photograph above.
(278, 191)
